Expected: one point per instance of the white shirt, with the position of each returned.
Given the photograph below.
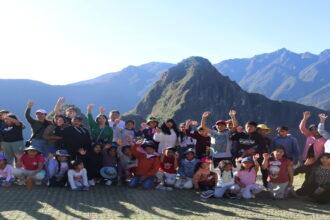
(165, 140)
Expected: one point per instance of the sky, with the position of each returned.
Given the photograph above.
(61, 41)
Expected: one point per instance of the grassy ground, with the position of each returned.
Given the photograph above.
(120, 202)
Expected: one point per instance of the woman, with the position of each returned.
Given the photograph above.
(12, 137)
(54, 134)
(102, 133)
(167, 135)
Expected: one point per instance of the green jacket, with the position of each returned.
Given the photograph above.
(99, 135)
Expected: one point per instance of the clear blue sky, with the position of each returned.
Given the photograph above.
(62, 41)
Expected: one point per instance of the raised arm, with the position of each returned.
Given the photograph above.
(90, 118)
(265, 162)
(321, 128)
(203, 122)
(232, 114)
(28, 112)
(302, 125)
(58, 106)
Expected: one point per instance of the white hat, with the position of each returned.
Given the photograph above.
(42, 111)
(327, 147)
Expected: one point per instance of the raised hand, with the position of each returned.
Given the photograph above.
(61, 100)
(306, 115)
(323, 117)
(30, 104)
(102, 110)
(206, 114)
(90, 107)
(194, 123)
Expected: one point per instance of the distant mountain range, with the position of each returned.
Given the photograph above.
(280, 75)
(284, 75)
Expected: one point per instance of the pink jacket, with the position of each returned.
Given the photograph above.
(318, 142)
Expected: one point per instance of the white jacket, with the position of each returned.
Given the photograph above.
(165, 140)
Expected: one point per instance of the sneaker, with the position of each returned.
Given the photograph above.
(207, 194)
(38, 183)
(85, 188)
(168, 188)
(20, 182)
(91, 182)
(108, 182)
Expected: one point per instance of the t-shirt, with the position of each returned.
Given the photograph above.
(278, 171)
(32, 163)
(221, 144)
(11, 133)
(247, 177)
(7, 172)
(168, 165)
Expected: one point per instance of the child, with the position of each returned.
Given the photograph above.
(127, 163)
(128, 134)
(29, 168)
(148, 165)
(202, 139)
(77, 176)
(6, 172)
(225, 180)
(109, 165)
(280, 177)
(57, 169)
(93, 161)
(186, 170)
(245, 178)
(168, 167)
(204, 179)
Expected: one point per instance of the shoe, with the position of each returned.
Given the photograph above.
(161, 187)
(108, 183)
(85, 188)
(207, 194)
(20, 182)
(38, 183)
(168, 188)
(91, 182)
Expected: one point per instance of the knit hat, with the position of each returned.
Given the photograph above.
(190, 150)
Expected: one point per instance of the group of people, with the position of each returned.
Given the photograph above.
(79, 152)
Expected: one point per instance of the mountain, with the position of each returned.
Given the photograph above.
(120, 90)
(194, 86)
(284, 75)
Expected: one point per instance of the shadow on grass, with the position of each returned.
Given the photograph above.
(122, 202)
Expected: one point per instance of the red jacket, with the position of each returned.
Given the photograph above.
(146, 166)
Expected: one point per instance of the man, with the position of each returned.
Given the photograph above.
(38, 126)
(116, 124)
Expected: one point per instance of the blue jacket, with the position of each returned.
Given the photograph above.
(290, 145)
(187, 168)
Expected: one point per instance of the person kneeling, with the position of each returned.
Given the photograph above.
(147, 167)
(29, 167)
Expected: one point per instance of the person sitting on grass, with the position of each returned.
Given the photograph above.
(280, 171)
(168, 168)
(204, 179)
(29, 167)
(77, 176)
(317, 186)
(109, 170)
(93, 161)
(245, 179)
(147, 167)
(6, 172)
(57, 169)
(186, 170)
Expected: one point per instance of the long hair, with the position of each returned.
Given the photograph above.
(166, 130)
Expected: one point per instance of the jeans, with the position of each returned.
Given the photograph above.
(23, 173)
(41, 145)
(109, 173)
(147, 183)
